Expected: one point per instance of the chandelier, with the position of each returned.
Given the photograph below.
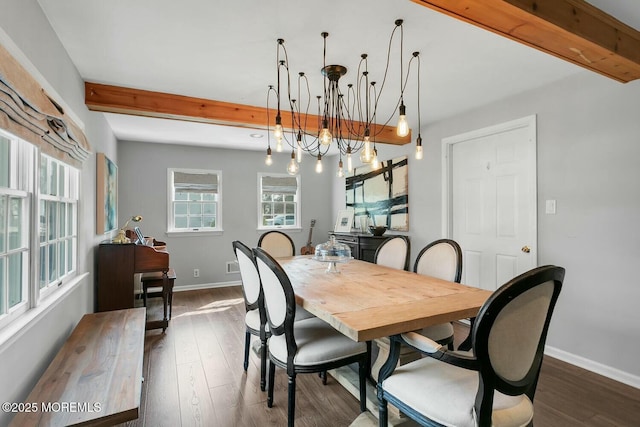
(344, 120)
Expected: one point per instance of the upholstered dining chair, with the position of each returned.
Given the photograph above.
(255, 318)
(441, 259)
(393, 253)
(303, 346)
(495, 384)
(277, 244)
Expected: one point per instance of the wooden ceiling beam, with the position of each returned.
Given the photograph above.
(573, 30)
(116, 99)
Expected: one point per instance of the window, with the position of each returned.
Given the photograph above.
(194, 200)
(55, 218)
(57, 215)
(279, 201)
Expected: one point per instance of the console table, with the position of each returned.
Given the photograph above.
(363, 245)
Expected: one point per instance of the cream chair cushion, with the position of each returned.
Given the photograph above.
(317, 342)
(446, 394)
(277, 245)
(393, 254)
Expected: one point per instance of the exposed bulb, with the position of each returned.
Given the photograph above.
(403, 126)
(340, 173)
(365, 154)
(325, 136)
(375, 164)
(277, 130)
(319, 164)
(279, 145)
(419, 153)
(268, 161)
(349, 161)
(292, 167)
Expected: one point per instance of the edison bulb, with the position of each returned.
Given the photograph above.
(340, 173)
(349, 162)
(375, 164)
(319, 165)
(403, 126)
(325, 136)
(277, 131)
(292, 167)
(365, 154)
(279, 145)
(419, 152)
(268, 161)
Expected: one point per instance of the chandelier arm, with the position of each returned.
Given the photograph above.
(386, 69)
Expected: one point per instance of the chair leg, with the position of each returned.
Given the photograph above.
(323, 375)
(247, 343)
(292, 400)
(362, 371)
(272, 377)
(263, 365)
(382, 413)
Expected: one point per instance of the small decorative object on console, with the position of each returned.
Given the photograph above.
(378, 230)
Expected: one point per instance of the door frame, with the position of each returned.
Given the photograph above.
(528, 122)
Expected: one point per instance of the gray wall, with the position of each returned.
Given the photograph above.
(143, 168)
(24, 358)
(588, 154)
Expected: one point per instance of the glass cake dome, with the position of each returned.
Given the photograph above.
(332, 252)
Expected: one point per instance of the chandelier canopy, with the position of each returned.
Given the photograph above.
(344, 120)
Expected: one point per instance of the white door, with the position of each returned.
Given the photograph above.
(492, 201)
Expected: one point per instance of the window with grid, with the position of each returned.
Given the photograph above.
(195, 200)
(50, 257)
(57, 216)
(279, 201)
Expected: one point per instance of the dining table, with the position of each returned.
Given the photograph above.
(371, 302)
(366, 301)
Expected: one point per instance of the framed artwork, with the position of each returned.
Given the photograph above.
(106, 194)
(382, 195)
(344, 221)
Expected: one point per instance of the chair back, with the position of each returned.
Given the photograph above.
(393, 253)
(251, 288)
(277, 244)
(441, 259)
(510, 333)
(279, 297)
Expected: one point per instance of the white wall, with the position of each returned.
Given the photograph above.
(588, 160)
(24, 359)
(143, 191)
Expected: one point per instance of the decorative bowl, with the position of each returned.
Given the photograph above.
(377, 230)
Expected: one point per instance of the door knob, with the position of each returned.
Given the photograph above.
(526, 249)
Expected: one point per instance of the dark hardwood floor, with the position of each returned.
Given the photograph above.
(194, 377)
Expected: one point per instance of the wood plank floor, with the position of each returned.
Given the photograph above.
(194, 377)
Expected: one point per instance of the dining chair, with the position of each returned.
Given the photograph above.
(255, 318)
(393, 253)
(277, 244)
(441, 259)
(495, 383)
(303, 346)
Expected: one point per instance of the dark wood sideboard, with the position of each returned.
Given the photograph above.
(363, 245)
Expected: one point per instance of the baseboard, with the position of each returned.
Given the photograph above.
(205, 286)
(595, 367)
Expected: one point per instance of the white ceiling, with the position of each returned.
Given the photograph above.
(226, 51)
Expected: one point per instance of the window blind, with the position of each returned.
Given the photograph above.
(184, 182)
(279, 185)
(27, 112)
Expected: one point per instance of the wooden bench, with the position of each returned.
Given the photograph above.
(96, 377)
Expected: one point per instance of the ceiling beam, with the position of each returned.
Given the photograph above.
(116, 99)
(572, 30)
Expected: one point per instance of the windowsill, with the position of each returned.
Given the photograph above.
(296, 229)
(194, 233)
(22, 324)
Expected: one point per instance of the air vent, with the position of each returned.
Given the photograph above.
(232, 267)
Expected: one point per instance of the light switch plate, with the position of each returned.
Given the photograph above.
(550, 208)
